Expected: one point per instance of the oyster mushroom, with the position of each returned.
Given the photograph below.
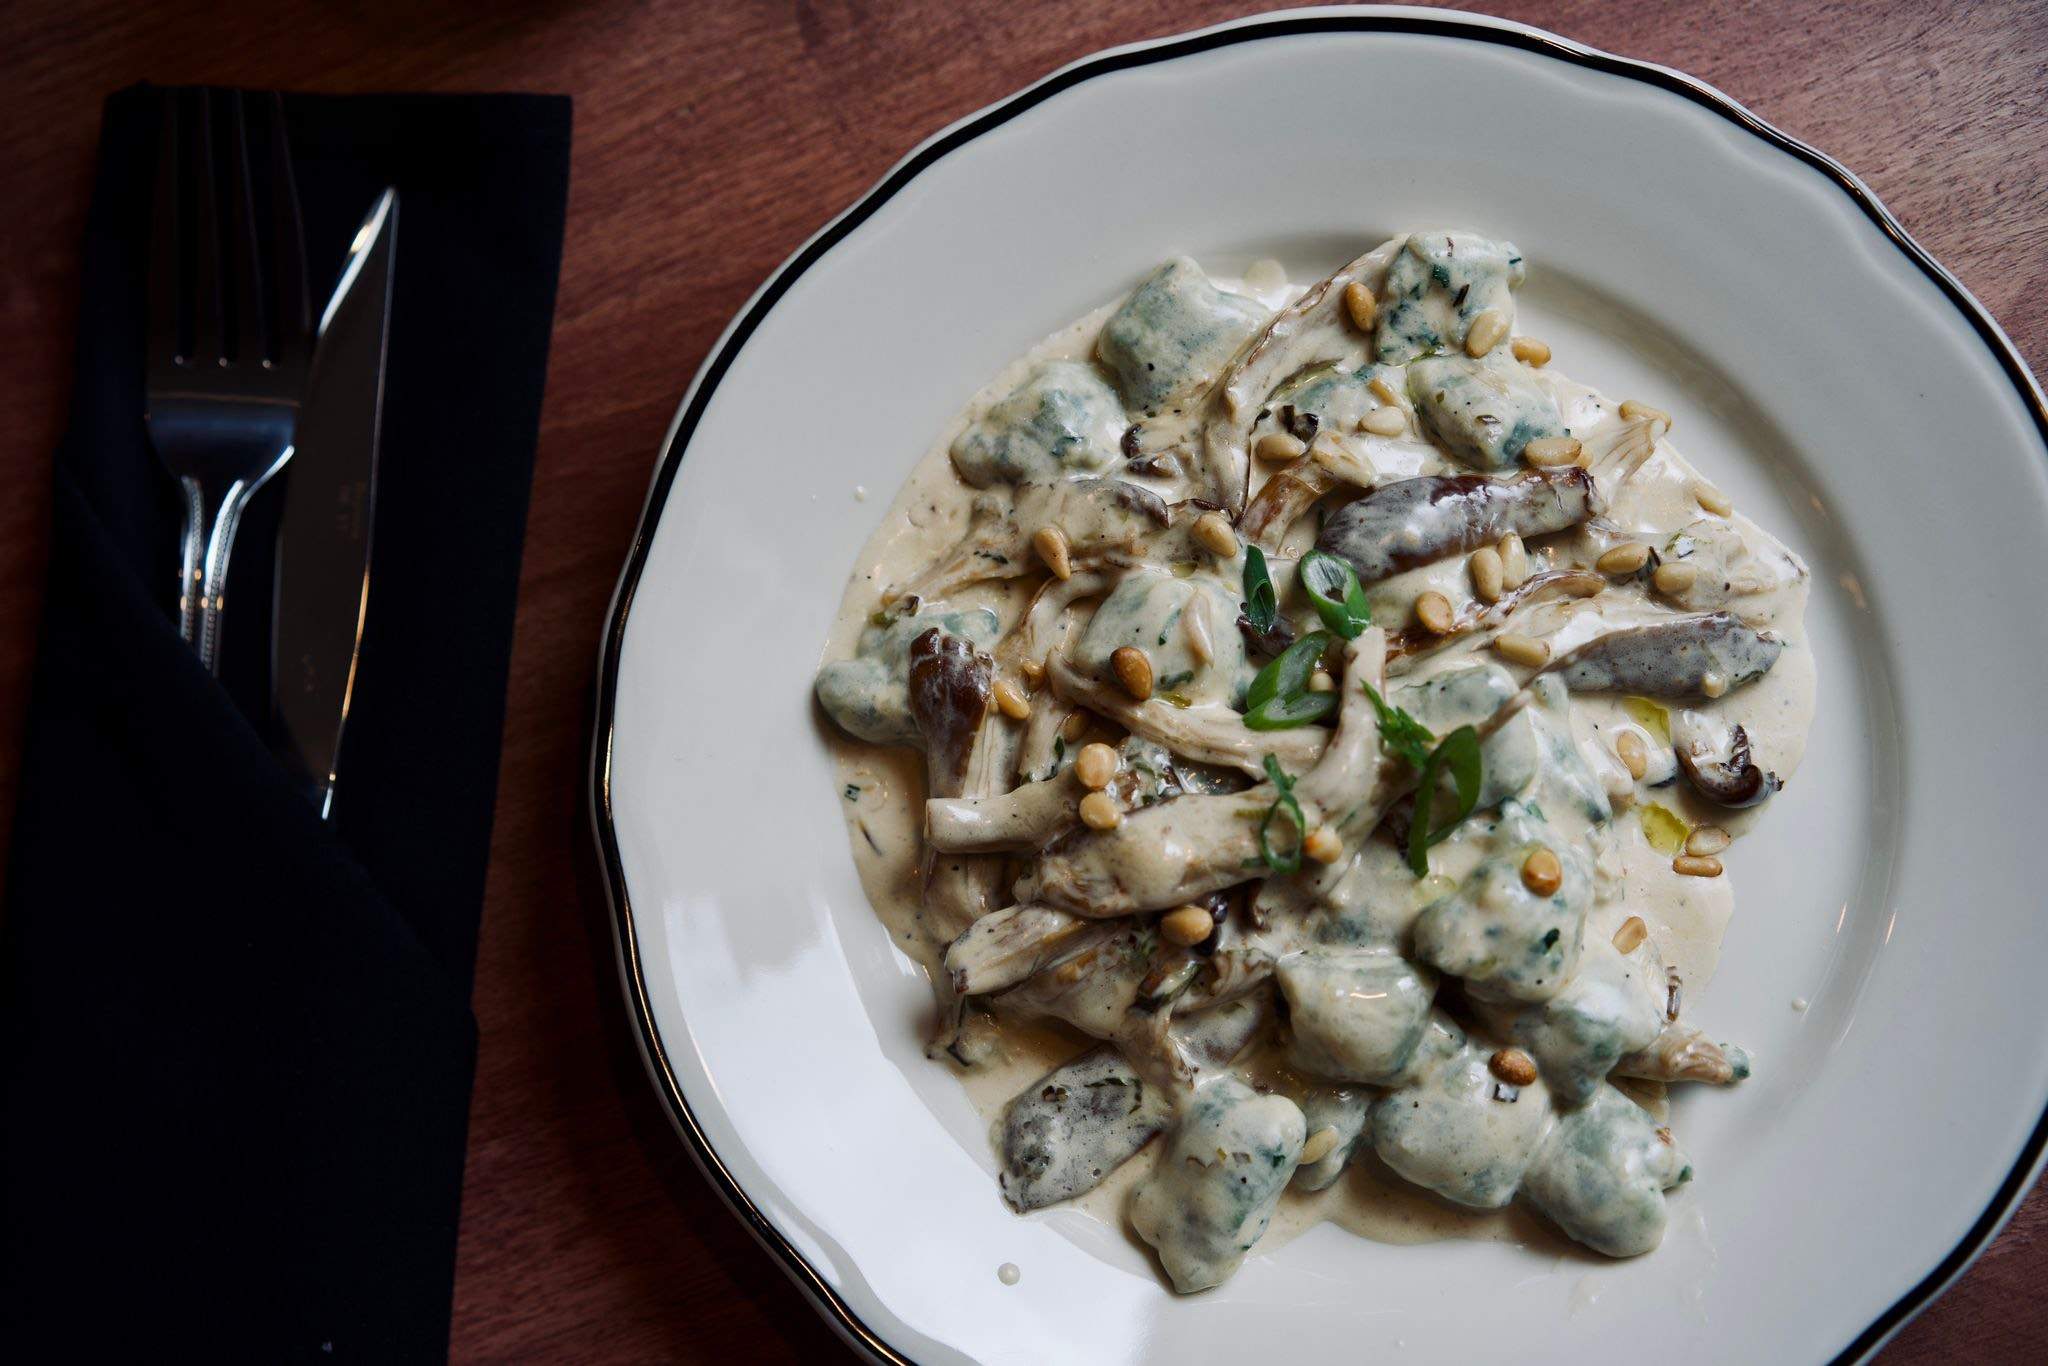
(1290, 492)
(1715, 757)
(1206, 734)
(1000, 950)
(966, 754)
(1684, 657)
(1099, 518)
(1311, 330)
(1413, 522)
(1680, 1053)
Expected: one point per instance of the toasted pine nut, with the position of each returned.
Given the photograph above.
(1520, 649)
(1099, 811)
(1322, 845)
(1624, 559)
(1194, 624)
(1213, 532)
(1095, 765)
(1133, 669)
(1712, 684)
(1486, 332)
(1582, 585)
(1074, 727)
(1187, 926)
(1514, 561)
(1630, 936)
(1633, 753)
(1051, 544)
(1552, 450)
(1531, 352)
(1696, 865)
(1708, 840)
(1010, 700)
(1712, 499)
(1488, 576)
(1034, 673)
(1433, 610)
(1279, 446)
(1383, 391)
(1363, 308)
(1388, 421)
(1320, 681)
(1674, 577)
(1513, 1066)
(1631, 410)
(1320, 1145)
(1541, 872)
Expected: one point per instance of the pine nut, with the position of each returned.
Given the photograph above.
(1514, 561)
(1322, 845)
(1541, 872)
(1674, 577)
(1320, 1145)
(1712, 499)
(1187, 926)
(1433, 610)
(1194, 624)
(1095, 765)
(1388, 421)
(1133, 669)
(1363, 308)
(1633, 753)
(1486, 332)
(1531, 352)
(1074, 727)
(1320, 681)
(1708, 840)
(1712, 684)
(1631, 935)
(1624, 559)
(1099, 811)
(1213, 532)
(1632, 410)
(1696, 865)
(1527, 651)
(1552, 450)
(1487, 574)
(1034, 673)
(1279, 446)
(1383, 391)
(1051, 544)
(1513, 1066)
(1010, 700)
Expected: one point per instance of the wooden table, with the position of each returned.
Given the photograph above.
(709, 142)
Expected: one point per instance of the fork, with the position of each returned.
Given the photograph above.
(229, 330)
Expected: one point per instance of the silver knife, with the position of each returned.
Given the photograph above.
(323, 553)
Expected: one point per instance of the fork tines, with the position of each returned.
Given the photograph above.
(227, 273)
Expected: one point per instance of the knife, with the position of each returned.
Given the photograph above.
(323, 554)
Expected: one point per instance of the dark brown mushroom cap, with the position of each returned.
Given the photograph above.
(1413, 522)
(949, 692)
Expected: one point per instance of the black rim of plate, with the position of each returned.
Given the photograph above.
(1167, 49)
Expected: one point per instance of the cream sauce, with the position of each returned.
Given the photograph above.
(1624, 863)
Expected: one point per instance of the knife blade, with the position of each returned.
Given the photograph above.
(324, 535)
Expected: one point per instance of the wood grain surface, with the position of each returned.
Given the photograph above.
(710, 140)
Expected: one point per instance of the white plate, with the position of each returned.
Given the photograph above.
(1835, 380)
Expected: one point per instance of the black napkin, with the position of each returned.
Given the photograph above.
(238, 1045)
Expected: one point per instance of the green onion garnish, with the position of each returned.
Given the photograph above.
(1333, 587)
(1290, 862)
(1459, 752)
(1279, 699)
(1261, 603)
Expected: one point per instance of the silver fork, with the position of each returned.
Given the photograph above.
(230, 328)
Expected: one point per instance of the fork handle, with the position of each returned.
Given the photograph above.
(191, 568)
(217, 518)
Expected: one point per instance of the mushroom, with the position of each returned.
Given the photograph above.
(965, 755)
(1681, 1053)
(1206, 734)
(1313, 329)
(1413, 522)
(1288, 493)
(1002, 949)
(1097, 517)
(1683, 657)
(1715, 757)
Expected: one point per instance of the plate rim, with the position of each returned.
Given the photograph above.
(1351, 20)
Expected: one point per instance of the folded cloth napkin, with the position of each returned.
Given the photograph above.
(237, 1041)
